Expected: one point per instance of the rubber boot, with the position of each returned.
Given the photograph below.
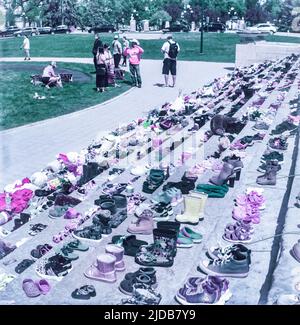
(203, 198)
(192, 211)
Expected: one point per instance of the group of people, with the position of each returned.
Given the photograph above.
(107, 63)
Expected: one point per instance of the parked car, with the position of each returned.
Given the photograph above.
(9, 31)
(45, 30)
(102, 29)
(61, 29)
(177, 27)
(214, 27)
(267, 28)
(28, 31)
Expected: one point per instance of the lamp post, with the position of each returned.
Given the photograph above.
(202, 28)
(62, 14)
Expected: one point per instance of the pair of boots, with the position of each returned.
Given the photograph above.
(163, 250)
(106, 265)
(194, 208)
(154, 180)
(269, 178)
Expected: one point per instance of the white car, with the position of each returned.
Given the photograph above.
(266, 28)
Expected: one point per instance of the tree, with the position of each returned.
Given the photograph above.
(159, 18)
(174, 8)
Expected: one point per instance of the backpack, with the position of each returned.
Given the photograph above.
(173, 51)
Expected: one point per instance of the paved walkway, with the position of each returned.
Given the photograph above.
(27, 149)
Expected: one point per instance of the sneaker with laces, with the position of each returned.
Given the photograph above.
(274, 155)
(205, 292)
(234, 265)
(218, 252)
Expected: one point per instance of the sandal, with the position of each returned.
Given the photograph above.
(40, 250)
(37, 228)
(21, 267)
(67, 253)
(77, 245)
(91, 233)
(239, 236)
(84, 293)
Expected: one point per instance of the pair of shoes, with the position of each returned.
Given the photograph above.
(144, 275)
(84, 293)
(144, 224)
(163, 250)
(130, 243)
(210, 290)
(228, 175)
(162, 211)
(269, 178)
(278, 143)
(238, 232)
(142, 295)
(213, 191)
(194, 205)
(107, 264)
(34, 289)
(171, 196)
(233, 261)
(187, 238)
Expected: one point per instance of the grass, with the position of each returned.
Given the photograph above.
(18, 107)
(217, 47)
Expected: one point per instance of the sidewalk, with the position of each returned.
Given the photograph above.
(27, 149)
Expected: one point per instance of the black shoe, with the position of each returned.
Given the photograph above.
(84, 293)
(139, 86)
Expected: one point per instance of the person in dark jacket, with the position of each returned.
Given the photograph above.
(97, 45)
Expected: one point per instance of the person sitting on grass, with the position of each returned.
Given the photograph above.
(49, 78)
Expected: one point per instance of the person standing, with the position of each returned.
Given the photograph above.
(97, 45)
(117, 51)
(111, 80)
(26, 48)
(101, 70)
(135, 54)
(170, 49)
(126, 45)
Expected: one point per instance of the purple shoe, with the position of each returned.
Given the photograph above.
(44, 286)
(30, 288)
(118, 252)
(207, 293)
(104, 270)
(295, 251)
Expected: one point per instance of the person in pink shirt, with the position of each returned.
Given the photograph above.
(135, 54)
(49, 77)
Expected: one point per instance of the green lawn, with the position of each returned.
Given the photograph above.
(217, 47)
(18, 107)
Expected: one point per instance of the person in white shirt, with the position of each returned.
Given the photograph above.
(49, 77)
(117, 51)
(125, 45)
(170, 49)
(26, 47)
